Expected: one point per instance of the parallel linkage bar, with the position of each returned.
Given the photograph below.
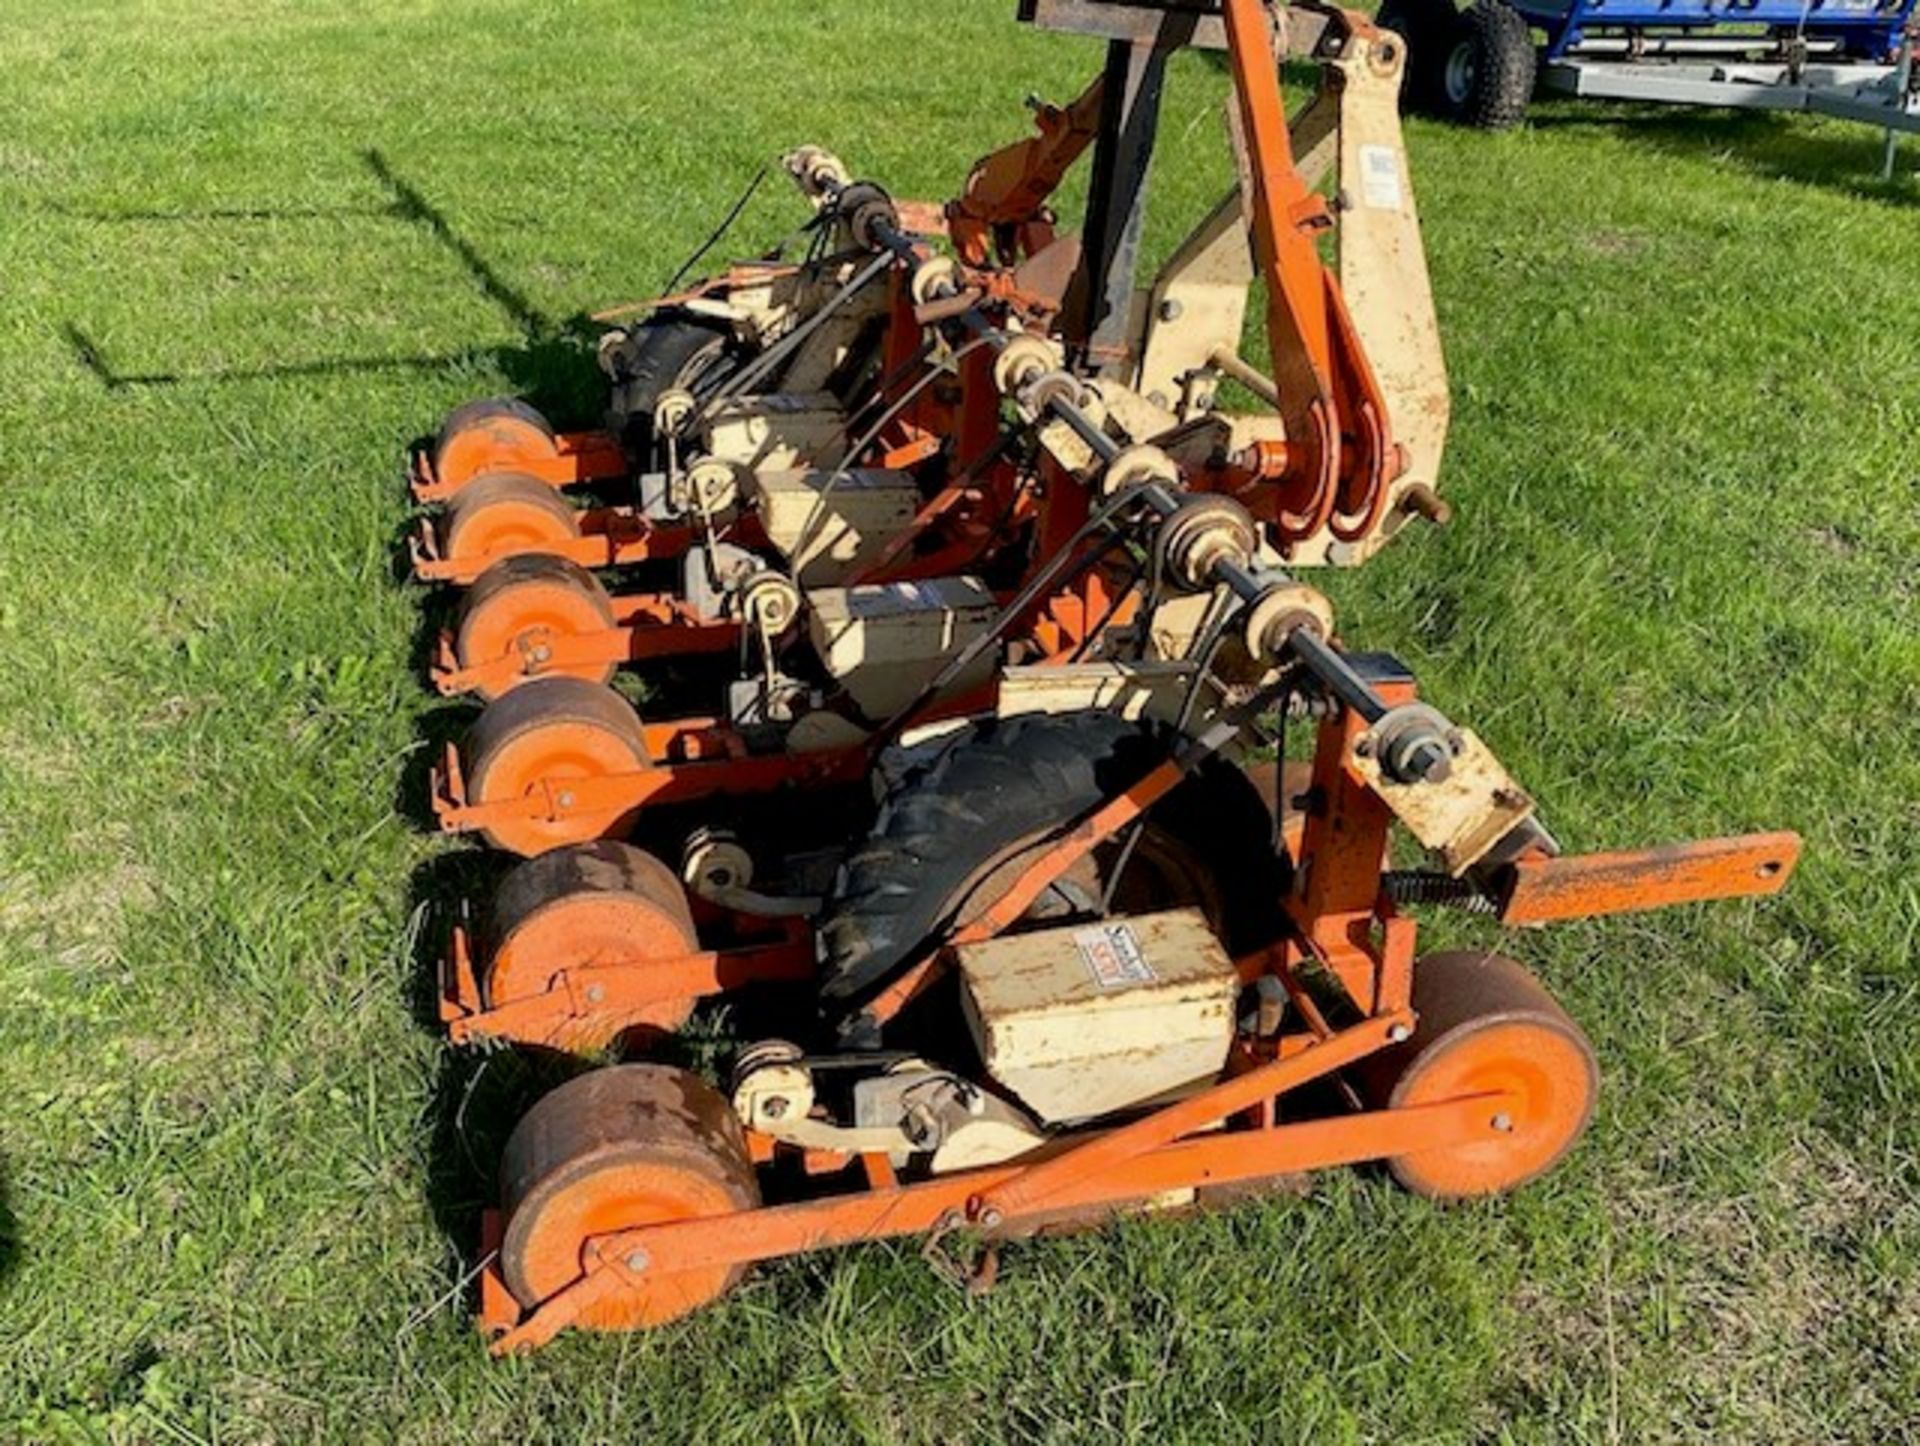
(599, 996)
(609, 537)
(577, 457)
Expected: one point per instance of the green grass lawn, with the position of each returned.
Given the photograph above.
(248, 250)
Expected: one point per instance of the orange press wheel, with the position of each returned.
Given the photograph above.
(620, 1147)
(591, 904)
(1486, 1024)
(550, 731)
(505, 514)
(492, 435)
(517, 609)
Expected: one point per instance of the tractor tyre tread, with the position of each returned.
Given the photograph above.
(653, 357)
(1000, 785)
(1505, 66)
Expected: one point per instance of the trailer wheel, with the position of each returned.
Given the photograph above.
(972, 820)
(1487, 78)
(670, 349)
(591, 904)
(519, 606)
(1486, 1024)
(551, 731)
(490, 435)
(614, 1149)
(506, 513)
(1428, 27)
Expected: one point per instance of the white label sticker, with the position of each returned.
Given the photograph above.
(1113, 956)
(1380, 178)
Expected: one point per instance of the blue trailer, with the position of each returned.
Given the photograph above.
(1480, 65)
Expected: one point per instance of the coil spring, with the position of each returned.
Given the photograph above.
(1424, 886)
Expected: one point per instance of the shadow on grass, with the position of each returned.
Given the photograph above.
(411, 204)
(478, 1094)
(439, 726)
(553, 367)
(195, 215)
(9, 1231)
(1770, 145)
(481, 1092)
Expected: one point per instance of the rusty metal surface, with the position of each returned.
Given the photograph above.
(1463, 815)
(599, 1120)
(1635, 879)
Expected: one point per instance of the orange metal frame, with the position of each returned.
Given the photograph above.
(590, 1007)
(1001, 214)
(658, 625)
(702, 758)
(1545, 889)
(1340, 453)
(1340, 923)
(698, 758)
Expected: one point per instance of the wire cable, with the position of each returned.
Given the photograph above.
(720, 231)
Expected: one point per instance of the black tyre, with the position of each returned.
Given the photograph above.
(668, 350)
(1429, 28)
(1002, 789)
(1486, 79)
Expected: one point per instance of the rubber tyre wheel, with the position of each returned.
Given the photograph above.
(592, 904)
(522, 593)
(1427, 27)
(598, 734)
(1485, 1023)
(1000, 789)
(669, 350)
(505, 514)
(1487, 75)
(491, 434)
(616, 1148)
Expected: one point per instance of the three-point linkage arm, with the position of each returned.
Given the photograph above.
(1339, 456)
(1340, 452)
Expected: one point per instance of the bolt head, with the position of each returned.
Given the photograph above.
(565, 800)
(596, 993)
(1503, 1122)
(638, 1261)
(775, 1107)
(990, 1217)
(1399, 1034)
